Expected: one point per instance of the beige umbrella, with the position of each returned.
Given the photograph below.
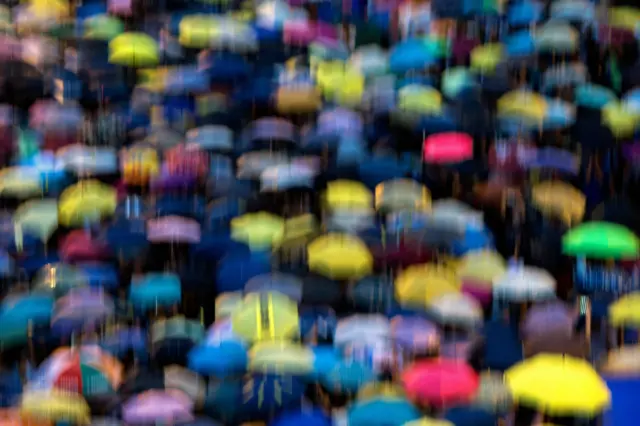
(38, 217)
(402, 194)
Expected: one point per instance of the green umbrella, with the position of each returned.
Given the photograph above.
(601, 240)
(38, 217)
(103, 27)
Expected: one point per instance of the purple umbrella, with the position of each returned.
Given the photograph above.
(557, 159)
(415, 334)
(156, 406)
(166, 181)
(554, 317)
(82, 307)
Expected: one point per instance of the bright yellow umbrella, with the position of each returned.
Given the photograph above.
(626, 18)
(481, 265)
(426, 421)
(139, 165)
(350, 89)
(198, 31)
(20, 182)
(266, 317)
(260, 230)
(523, 103)
(88, 200)
(55, 406)
(558, 385)
(49, 9)
(625, 311)
(560, 200)
(280, 358)
(486, 58)
(339, 256)
(348, 194)
(328, 75)
(419, 99)
(621, 120)
(402, 194)
(420, 285)
(134, 49)
(37, 217)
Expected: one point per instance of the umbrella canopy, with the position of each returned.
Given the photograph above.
(86, 201)
(440, 383)
(266, 316)
(53, 406)
(601, 240)
(38, 217)
(339, 256)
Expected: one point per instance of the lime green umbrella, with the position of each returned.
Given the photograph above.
(38, 217)
(601, 240)
(103, 27)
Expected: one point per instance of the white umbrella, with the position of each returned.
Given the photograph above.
(351, 221)
(370, 60)
(86, 159)
(287, 176)
(252, 164)
(524, 284)
(362, 329)
(457, 309)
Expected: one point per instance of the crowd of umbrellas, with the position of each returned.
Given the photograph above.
(223, 213)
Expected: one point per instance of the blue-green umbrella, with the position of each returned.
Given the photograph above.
(382, 412)
(20, 312)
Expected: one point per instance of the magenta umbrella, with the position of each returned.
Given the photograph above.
(302, 33)
(158, 407)
(555, 317)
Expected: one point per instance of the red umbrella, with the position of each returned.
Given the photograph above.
(440, 382)
(187, 160)
(448, 148)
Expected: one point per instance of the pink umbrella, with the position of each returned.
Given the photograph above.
(80, 246)
(158, 407)
(120, 7)
(554, 317)
(448, 148)
(173, 229)
(302, 32)
(10, 48)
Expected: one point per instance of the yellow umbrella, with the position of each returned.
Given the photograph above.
(623, 17)
(49, 9)
(258, 230)
(486, 58)
(328, 75)
(339, 256)
(421, 285)
(426, 421)
(418, 99)
(134, 49)
(37, 217)
(348, 194)
(197, 31)
(298, 99)
(523, 103)
(560, 200)
(481, 265)
(300, 227)
(20, 182)
(139, 165)
(350, 89)
(88, 200)
(558, 385)
(625, 311)
(402, 194)
(280, 358)
(266, 317)
(55, 406)
(621, 120)
(227, 304)
(624, 360)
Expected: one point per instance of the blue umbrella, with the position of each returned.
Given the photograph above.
(186, 80)
(314, 417)
(520, 44)
(380, 169)
(122, 341)
(102, 275)
(154, 290)
(411, 55)
(469, 416)
(593, 96)
(382, 412)
(18, 313)
(346, 376)
(127, 238)
(560, 115)
(193, 207)
(225, 358)
(524, 13)
(325, 359)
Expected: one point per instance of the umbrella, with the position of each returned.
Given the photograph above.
(555, 317)
(623, 361)
(415, 335)
(139, 165)
(426, 421)
(86, 370)
(447, 148)
(173, 338)
(522, 103)
(155, 290)
(82, 307)
(362, 329)
(418, 99)
(211, 137)
(226, 357)
(556, 37)
(50, 115)
(58, 279)
(54, 406)
(493, 393)
(485, 58)
(593, 96)
(258, 230)
(559, 199)
(439, 383)
(286, 284)
(339, 256)
(477, 270)
(87, 200)
(621, 120)
(280, 358)
(601, 240)
(457, 309)
(156, 406)
(102, 27)
(525, 283)
(38, 217)
(20, 182)
(266, 316)
(382, 411)
(83, 160)
(173, 230)
(558, 385)
(289, 176)
(349, 194)
(19, 314)
(623, 312)
(369, 60)
(252, 164)
(133, 49)
(410, 55)
(412, 288)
